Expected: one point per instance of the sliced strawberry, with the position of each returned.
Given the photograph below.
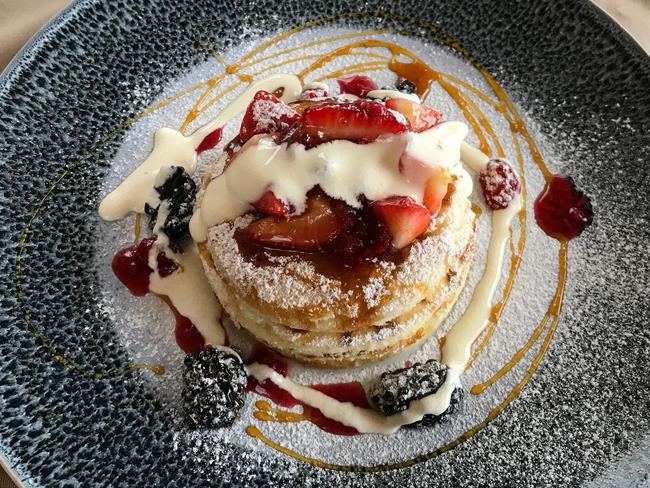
(266, 114)
(209, 141)
(272, 205)
(359, 121)
(420, 117)
(313, 230)
(358, 85)
(405, 219)
(435, 190)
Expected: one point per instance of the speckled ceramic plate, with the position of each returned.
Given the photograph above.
(77, 110)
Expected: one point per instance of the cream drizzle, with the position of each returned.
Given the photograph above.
(343, 169)
(473, 157)
(195, 299)
(389, 93)
(458, 342)
(187, 287)
(172, 147)
(365, 420)
(190, 292)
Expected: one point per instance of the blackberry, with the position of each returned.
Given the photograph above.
(178, 193)
(406, 86)
(214, 387)
(395, 390)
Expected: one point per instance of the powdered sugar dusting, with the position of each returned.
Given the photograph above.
(533, 288)
(300, 287)
(374, 291)
(269, 115)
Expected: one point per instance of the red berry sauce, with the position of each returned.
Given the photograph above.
(346, 392)
(131, 266)
(188, 337)
(561, 210)
(211, 140)
(267, 388)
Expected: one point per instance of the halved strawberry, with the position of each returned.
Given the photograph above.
(272, 205)
(405, 219)
(435, 190)
(420, 117)
(313, 230)
(359, 121)
(358, 85)
(266, 114)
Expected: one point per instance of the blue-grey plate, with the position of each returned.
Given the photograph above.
(70, 417)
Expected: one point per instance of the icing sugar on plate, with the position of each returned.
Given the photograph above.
(147, 330)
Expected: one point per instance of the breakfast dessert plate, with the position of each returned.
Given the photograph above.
(282, 243)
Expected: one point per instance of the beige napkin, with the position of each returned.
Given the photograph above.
(19, 20)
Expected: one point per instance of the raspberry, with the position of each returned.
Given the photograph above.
(358, 85)
(499, 182)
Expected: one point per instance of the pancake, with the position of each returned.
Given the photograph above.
(327, 316)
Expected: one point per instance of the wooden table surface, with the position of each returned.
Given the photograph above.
(20, 19)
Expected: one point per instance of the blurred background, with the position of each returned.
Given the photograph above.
(21, 19)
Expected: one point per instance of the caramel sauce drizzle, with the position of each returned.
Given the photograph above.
(423, 76)
(137, 228)
(267, 413)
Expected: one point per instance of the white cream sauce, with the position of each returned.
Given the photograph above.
(190, 292)
(365, 420)
(458, 342)
(343, 169)
(187, 287)
(172, 147)
(388, 93)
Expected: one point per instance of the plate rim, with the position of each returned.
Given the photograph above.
(595, 12)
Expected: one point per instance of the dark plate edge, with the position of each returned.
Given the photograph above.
(624, 38)
(619, 33)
